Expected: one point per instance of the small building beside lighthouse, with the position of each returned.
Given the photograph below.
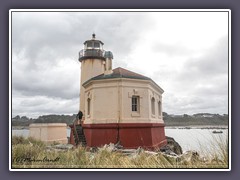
(118, 105)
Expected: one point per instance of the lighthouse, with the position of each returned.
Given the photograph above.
(94, 61)
(118, 105)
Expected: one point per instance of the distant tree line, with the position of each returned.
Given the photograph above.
(25, 121)
(199, 119)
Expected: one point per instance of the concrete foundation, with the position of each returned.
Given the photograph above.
(49, 132)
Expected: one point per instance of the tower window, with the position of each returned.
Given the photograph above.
(135, 103)
(89, 44)
(96, 45)
(88, 106)
(153, 105)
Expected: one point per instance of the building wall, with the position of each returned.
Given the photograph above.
(158, 98)
(89, 69)
(104, 103)
(111, 101)
(142, 89)
(49, 132)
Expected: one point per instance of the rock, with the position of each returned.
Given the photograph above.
(151, 152)
(189, 156)
(111, 147)
(59, 147)
(171, 147)
(93, 149)
(118, 145)
(129, 151)
(64, 146)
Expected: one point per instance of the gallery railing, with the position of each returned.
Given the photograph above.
(91, 53)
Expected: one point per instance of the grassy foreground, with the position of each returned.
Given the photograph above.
(30, 153)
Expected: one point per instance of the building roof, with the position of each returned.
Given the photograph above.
(93, 40)
(120, 73)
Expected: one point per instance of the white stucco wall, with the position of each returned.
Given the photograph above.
(111, 101)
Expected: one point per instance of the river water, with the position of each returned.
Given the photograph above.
(202, 140)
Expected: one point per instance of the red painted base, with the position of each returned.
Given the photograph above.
(131, 135)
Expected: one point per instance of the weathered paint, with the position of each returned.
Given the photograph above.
(49, 132)
(130, 135)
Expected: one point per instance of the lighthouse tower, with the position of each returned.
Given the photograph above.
(94, 61)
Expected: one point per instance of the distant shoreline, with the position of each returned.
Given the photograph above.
(20, 127)
(198, 127)
(167, 127)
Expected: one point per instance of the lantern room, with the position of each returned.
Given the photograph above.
(92, 49)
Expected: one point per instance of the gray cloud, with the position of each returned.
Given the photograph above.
(173, 49)
(211, 67)
(44, 43)
(46, 72)
(62, 34)
(33, 106)
(202, 85)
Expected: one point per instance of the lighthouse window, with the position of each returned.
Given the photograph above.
(88, 106)
(153, 105)
(135, 103)
(96, 45)
(89, 44)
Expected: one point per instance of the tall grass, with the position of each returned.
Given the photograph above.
(217, 149)
(30, 153)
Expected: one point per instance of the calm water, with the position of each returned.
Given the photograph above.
(202, 140)
(189, 139)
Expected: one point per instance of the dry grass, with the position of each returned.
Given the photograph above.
(30, 153)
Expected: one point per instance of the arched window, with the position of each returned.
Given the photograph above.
(110, 65)
(159, 108)
(105, 66)
(153, 105)
(88, 106)
(135, 103)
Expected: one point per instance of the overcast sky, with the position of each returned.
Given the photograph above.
(186, 53)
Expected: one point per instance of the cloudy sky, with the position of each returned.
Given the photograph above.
(186, 53)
